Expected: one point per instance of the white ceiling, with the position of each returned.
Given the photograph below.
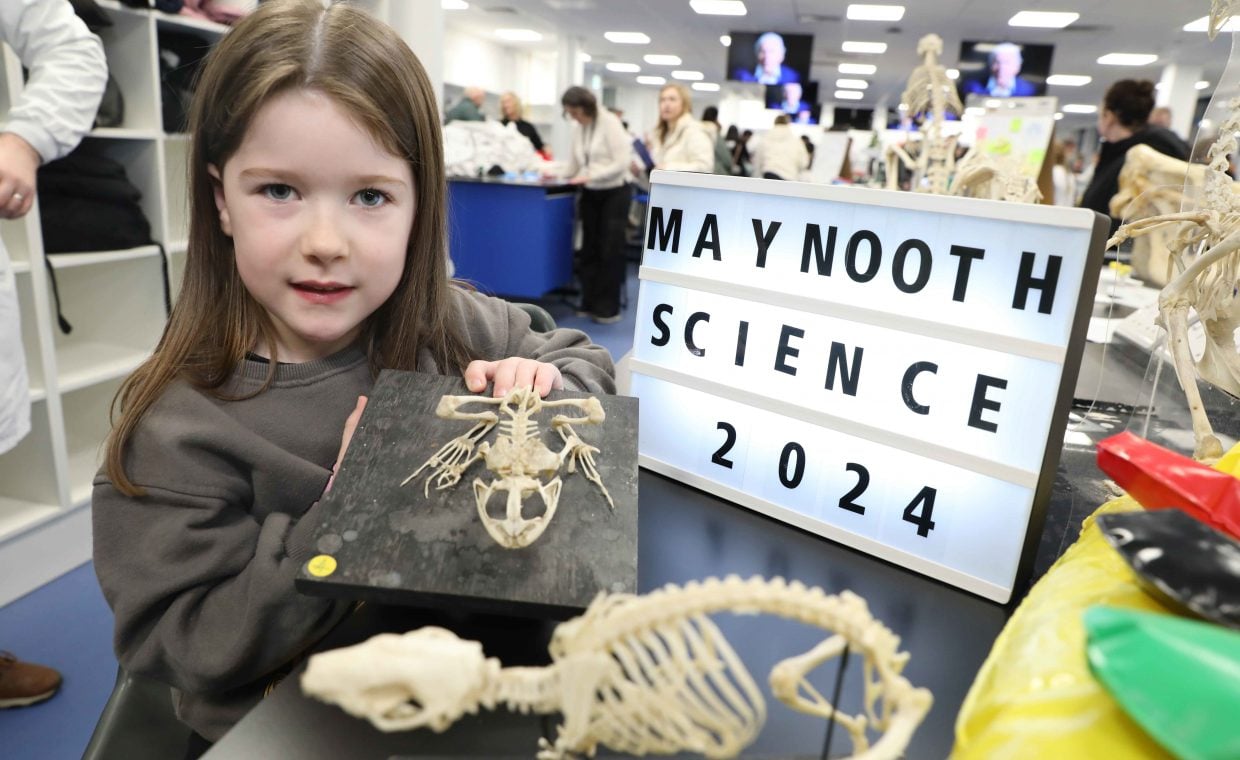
(1105, 26)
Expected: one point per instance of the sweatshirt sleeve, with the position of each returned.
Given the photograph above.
(497, 329)
(201, 582)
(57, 105)
(698, 153)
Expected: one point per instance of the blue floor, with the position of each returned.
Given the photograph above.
(67, 625)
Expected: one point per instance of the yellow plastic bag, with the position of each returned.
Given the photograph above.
(1034, 696)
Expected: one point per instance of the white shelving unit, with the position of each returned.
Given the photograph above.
(113, 299)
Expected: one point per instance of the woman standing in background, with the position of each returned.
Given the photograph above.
(679, 142)
(513, 112)
(599, 161)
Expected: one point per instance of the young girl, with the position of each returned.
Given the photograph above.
(317, 256)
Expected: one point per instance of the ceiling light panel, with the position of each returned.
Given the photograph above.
(624, 68)
(1043, 19)
(689, 76)
(852, 84)
(862, 69)
(662, 60)
(1127, 59)
(651, 80)
(627, 38)
(848, 95)
(1202, 85)
(706, 87)
(718, 7)
(953, 74)
(858, 12)
(1080, 108)
(867, 48)
(725, 40)
(1069, 80)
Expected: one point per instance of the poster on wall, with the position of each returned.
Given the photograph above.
(1017, 130)
(889, 370)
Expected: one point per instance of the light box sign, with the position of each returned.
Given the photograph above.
(889, 370)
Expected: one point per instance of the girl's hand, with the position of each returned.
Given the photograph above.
(509, 373)
(349, 426)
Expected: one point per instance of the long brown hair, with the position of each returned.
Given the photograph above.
(686, 102)
(366, 68)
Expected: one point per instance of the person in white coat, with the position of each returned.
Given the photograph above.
(600, 158)
(679, 142)
(54, 109)
(781, 154)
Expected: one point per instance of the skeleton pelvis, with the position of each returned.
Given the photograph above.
(515, 531)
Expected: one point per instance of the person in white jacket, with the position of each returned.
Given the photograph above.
(600, 161)
(54, 109)
(781, 154)
(679, 142)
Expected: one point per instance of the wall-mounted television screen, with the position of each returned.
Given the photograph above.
(1003, 69)
(769, 57)
(853, 118)
(792, 98)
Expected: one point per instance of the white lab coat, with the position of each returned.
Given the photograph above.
(56, 107)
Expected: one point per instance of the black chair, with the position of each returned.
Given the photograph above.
(540, 319)
(138, 723)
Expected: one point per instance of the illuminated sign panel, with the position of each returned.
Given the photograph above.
(889, 370)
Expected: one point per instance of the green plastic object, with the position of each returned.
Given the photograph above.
(1179, 679)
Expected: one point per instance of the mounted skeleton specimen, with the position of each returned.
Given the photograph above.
(637, 674)
(929, 91)
(518, 458)
(1205, 254)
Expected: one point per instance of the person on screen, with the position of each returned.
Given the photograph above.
(792, 104)
(769, 49)
(1004, 62)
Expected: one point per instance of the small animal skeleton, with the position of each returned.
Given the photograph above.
(930, 90)
(998, 178)
(1205, 255)
(518, 457)
(638, 674)
(1221, 12)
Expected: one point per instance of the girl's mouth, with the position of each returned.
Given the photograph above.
(322, 292)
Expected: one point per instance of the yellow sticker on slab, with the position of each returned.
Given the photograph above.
(322, 566)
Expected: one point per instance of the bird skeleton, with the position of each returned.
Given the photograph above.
(1221, 12)
(518, 457)
(638, 674)
(1205, 254)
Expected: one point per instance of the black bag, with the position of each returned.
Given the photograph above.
(180, 57)
(87, 203)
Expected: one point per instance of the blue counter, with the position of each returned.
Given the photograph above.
(511, 238)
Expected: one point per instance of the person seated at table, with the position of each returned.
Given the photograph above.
(316, 259)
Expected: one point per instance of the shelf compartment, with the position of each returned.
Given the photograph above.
(141, 161)
(28, 491)
(16, 237)
(69, 260)
(129, 45)
(121, 133)
(117, 313)
(86, 429)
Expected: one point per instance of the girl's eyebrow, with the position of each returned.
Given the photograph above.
(364, 179)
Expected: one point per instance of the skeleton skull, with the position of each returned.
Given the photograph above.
(424, 678)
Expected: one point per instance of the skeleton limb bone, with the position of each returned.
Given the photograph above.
(640, 674)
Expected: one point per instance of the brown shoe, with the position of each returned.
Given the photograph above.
(24, 683)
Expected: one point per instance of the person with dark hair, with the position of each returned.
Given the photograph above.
(723, 154)
(599, 160)
(1123, 122)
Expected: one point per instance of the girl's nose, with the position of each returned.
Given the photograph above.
(324, 236)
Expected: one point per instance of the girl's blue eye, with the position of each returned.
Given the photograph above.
(371, 197)
(278, 192)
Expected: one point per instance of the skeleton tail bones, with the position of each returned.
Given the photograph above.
(644, 674)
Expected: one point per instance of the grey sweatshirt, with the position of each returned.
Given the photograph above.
(199, 572)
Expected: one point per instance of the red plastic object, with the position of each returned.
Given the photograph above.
(1160, 478)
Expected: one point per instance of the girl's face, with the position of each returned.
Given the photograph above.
(509, 107)
(320, 216)
(670, 105)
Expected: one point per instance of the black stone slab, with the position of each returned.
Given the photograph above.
(393, 545)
